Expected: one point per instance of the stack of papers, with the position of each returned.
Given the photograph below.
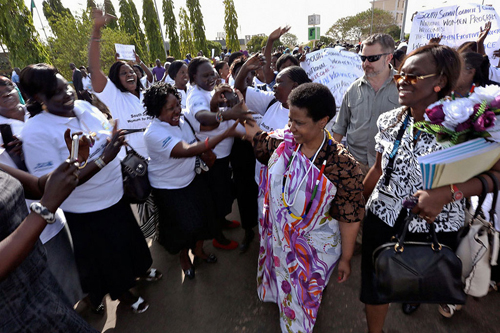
(458, 163)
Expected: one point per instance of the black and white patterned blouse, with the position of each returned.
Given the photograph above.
(386, 202)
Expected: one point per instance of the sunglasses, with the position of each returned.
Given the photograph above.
(411, 78)
(372, 58)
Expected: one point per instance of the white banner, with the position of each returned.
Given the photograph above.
(126, 52)
(333, 68)
(457, 25)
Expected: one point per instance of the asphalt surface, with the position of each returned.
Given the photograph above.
(223, 298)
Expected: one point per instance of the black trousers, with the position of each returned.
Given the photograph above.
(246, 189)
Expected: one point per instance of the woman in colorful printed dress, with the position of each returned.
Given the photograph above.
(312, 208)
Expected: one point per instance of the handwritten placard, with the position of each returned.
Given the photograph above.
(456, 25)
(336, 69)
(126, 52)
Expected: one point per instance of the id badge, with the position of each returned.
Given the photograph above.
(386, 195)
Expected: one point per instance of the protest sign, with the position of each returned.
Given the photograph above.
(456, 25)
(126, 52)
(336, 69)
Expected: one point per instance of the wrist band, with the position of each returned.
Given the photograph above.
(100, 162)
(206, 143)
(218, 117)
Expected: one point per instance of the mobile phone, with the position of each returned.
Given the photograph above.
(7, 135)
(231, 97)
(74, 148)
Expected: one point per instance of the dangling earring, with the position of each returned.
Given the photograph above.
(437, 89)
(44, 108)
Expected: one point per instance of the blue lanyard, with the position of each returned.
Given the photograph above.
(400, 137)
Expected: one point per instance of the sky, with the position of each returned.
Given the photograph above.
(258, 16)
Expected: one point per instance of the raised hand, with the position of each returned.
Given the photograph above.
(100, 19)
(484, 32)
(276, 34)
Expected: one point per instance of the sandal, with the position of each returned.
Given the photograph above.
(152, 275)
(448, 310)
(140, 305)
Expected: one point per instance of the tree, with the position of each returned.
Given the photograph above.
(91, 4)
(128, 25)
(171, 24)
(216, 46)
(140, 37)
(289, 40)
(53, 9)
(393, 30)
(186, 39)
(19, 35)
(152, 28)
(110, 9)
(255, 43)
(200, 40)
(341, 29)
(231, 25)
(275, 44)
(382, 19)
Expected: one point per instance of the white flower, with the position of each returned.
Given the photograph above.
(457, 111)
(487, 93)
(495, 131)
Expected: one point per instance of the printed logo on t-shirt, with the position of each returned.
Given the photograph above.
(106, 125)
(166, 141)
(43, 165)
(138, 117)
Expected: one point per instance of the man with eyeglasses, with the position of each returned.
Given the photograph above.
(367, 98)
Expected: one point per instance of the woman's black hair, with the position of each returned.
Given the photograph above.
(316, 98)
(296, 74)
(193, 67)
(233, 57)
(481, 64)
(35, 79)
(156, 97)
(219, 65)
(447, 62)
(174, 68)
(236, 66)
(281, 60)
(5, 81)
(139, 68)
(114, 76)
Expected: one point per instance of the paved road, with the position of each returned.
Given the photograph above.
(223, 298)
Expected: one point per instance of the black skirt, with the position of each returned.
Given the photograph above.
(110, 250)
(186, 215)
(376, 233)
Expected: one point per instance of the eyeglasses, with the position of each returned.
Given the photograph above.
(411, 78)
(372, 58)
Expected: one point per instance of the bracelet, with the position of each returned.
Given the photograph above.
(83, 166)
(100, 162)
(218, 117)
(206, 143)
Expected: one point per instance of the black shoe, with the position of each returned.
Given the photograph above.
(410, 308)
(210, 259)
(249, 236)
(189, 273)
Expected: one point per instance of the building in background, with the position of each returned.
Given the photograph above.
(396, 7)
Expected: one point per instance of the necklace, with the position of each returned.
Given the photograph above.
(286, 177)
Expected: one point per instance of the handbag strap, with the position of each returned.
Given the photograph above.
(496, 188)
(390, 165)
(484, 192)
(192, 129)
(432, 231)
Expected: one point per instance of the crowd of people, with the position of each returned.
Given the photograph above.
(248, 127)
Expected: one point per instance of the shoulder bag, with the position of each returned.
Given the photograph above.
(476, 244)
(136, 186)
(205, 160)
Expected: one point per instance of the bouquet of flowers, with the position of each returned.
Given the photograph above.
(459, 120)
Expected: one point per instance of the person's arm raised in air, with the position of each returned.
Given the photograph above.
(275, 35)
(253, 63)
(482, 37)
(145, 68)
(97, 76)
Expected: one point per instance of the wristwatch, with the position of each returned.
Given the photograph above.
(43, 211)
(456, 194)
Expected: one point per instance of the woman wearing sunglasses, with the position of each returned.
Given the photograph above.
(427, 75)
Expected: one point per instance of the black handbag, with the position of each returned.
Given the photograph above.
(136, 186)
(418, 272)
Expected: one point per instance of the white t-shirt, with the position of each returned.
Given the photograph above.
(257, 82)
(45, 149)
(275, 117)
(199, 100)
(87, 83)
(129, 111)
(494, 74)
(183, 98)
(166, 172)
(51, 229)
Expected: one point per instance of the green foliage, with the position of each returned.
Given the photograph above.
(186, 40)
(109, 38)
(19, 35)
(91, 4)
(231, 25)
(289, 40)
(152, 28)
(275, 44)
(140, 38)
(255, 43)
(393, 30)
(358, 26)
(213, 45)
(128, 25)
(52, 9)
(171, 24)
(200, 40)
(110, 9)
(327, 40)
